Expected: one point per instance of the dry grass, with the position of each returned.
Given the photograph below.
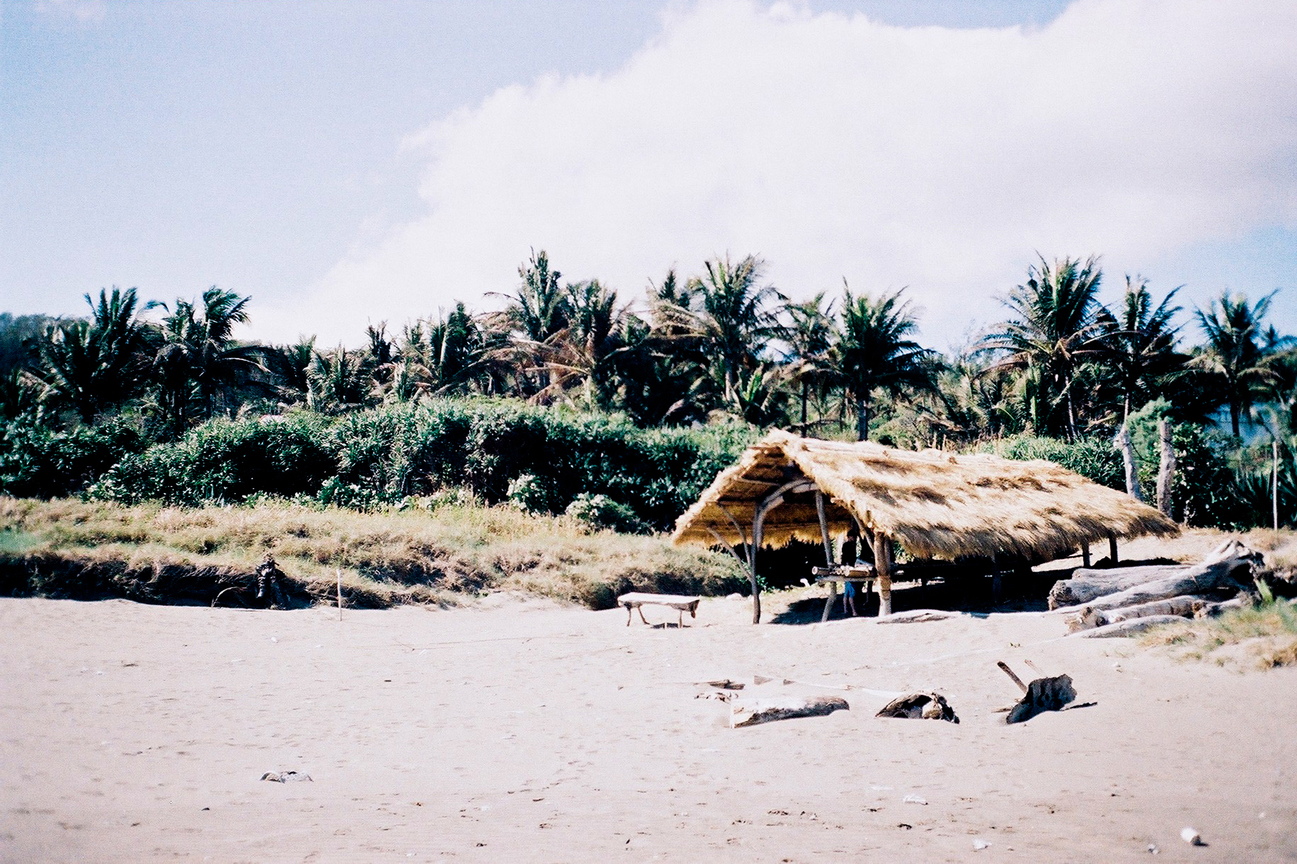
(414, 555)
(1264, 636)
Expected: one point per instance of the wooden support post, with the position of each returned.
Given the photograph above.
(883, 566)
(1112, 548)
(770, 502)
(1085, 553)
(995, 580)
(757, 518)
(824, 528)
(828, 604)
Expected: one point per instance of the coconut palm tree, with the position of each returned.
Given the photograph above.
(809, 335)
(197, 360)
(96, 364)
(1235, 354)
(1057, 327)
(874, 353)
(1139, 348)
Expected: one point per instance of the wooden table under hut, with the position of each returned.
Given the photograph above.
(936, 506)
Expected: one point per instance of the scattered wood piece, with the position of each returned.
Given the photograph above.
(916, 616)
(727, 684)
(1010, 673)
(1043, 694)
(919, 706)
(286, 777)
(1128, 628)
(783, 708)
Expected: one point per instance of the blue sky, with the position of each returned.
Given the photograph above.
(348, 163)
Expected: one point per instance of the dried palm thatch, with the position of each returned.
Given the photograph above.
(935, 504)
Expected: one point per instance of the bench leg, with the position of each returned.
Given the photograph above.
(641, 614)
(828, 604)
(627, 614)
(680, 621)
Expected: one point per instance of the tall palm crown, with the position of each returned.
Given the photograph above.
(1140, 348)
(809, 335)
(1058, 326)
(198, 358)
(92, 365)
(874, 352)
(1235, 354)
(735, 320)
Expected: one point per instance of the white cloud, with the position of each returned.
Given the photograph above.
(836, 146)
(81, 11)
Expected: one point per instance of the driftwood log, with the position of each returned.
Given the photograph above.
(1127, 628)
(1185, 606)
(919, 706)
(767, 710)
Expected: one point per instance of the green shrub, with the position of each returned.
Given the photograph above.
(603, 513)
(1095, 458)
(37, 462)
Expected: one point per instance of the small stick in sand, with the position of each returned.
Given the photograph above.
(1009, 672)
(339, 593)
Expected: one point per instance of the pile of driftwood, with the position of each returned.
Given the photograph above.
(1125, 600)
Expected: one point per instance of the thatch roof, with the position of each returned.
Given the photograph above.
(935, 504)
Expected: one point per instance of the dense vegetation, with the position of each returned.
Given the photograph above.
(568, 400)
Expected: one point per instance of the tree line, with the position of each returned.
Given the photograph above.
(723, 343)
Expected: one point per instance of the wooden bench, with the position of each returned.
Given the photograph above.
(637, 600)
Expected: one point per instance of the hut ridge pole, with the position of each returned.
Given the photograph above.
(824, 528)
(883, 566)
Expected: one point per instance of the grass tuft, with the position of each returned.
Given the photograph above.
(1264, 636)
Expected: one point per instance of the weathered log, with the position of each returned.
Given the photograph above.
(1089, 617)
(1212, 578)
(1127, 628)
(919, 706)
(1087, 585)
(750, 713)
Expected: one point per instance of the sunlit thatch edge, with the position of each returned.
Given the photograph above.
(935, 504)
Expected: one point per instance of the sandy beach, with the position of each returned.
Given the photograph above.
(518, 730)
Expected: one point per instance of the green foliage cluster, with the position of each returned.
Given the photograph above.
(1094, 458)
(38, 462)
(604, 469)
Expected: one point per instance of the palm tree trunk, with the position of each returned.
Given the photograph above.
(803, 429)
(862, 419)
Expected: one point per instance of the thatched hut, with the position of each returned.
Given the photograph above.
(933, 504)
